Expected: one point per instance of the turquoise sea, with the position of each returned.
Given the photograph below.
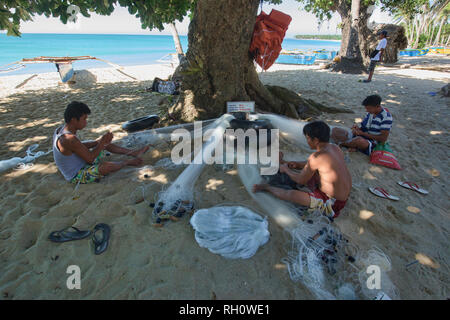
(125, 50)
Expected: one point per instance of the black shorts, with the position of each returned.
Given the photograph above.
(372, 145)
(373, 64)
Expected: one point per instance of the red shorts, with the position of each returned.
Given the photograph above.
(322, 200)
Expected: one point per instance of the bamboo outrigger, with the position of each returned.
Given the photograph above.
(63, 65)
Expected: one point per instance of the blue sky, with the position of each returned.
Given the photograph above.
(120, 21)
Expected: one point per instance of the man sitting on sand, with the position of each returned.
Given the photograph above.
(374, 129)
(325, 173)
(79, 162)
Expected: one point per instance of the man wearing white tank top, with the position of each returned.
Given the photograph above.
(79, 162)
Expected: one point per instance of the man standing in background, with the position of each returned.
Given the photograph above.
(377, 54)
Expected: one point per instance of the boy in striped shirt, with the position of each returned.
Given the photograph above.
(374, 129)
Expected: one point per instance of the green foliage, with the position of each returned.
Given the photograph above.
(152, 13)
(422, 41)
(407, 8)
(323, 9)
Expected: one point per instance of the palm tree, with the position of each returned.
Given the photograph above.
(444, 15)
(176, 38)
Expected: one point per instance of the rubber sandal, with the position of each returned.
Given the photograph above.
(65, 235)
(100, 246)
(412, 186)
(383, 194)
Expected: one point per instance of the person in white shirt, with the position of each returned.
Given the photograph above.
(377, 54)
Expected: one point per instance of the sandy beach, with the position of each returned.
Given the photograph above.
(144, 262)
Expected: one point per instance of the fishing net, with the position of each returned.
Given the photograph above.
(320, 257)
(179, 196)
(375, 257)
(23, 163)
(234, 232)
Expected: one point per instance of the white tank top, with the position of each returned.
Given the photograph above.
(67, 165)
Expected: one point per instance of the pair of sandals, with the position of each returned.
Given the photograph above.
(408, 185)
(100, 245)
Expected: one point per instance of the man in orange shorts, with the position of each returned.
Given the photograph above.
(325, 173)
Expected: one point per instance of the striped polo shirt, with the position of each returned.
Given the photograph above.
(373, 124)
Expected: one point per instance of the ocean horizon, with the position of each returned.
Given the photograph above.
(121, 49)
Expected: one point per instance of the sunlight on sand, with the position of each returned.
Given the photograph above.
(365, 215)
(102, 129)
(280, 266)
(393, 102)
(53, 124)
(433, 172)
(369, 176)
(425, 260)
(213, 184)
(33, 124)
(413, 209)
(19, 145)
(162, 178)
(376, 169)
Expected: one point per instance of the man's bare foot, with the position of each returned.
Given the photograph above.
(134, 162)
(139, 152)
(260, 187)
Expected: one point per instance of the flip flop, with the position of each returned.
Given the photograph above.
(383, 194)
(412, 186)
(102, 244)
(65, 235)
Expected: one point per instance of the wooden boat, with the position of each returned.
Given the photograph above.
(63, 65)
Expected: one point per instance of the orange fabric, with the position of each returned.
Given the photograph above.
(268, 35)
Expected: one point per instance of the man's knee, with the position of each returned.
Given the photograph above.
(339, 135)
(361, 143)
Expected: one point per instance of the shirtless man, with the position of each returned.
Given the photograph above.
(325, 173)
(79, 162)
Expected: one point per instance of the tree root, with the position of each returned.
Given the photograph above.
(349, 66)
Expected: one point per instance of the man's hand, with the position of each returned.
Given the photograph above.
(106, 139)
(294, 165)
(284, 168)
(357, 132)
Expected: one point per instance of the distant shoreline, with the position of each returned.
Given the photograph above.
(325, 37)
(317, 39)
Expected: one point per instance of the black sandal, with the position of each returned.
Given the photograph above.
(100, 246)
(65, 235)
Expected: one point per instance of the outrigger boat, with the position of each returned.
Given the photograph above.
(63, 65)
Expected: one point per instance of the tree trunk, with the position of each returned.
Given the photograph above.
(438, 36)
(218, 67)
(353, 50)
(349, 43)
(416, 40)
(176, 38)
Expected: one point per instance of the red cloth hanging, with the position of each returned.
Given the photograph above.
(268, 35)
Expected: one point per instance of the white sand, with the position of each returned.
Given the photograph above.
(143, 262)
